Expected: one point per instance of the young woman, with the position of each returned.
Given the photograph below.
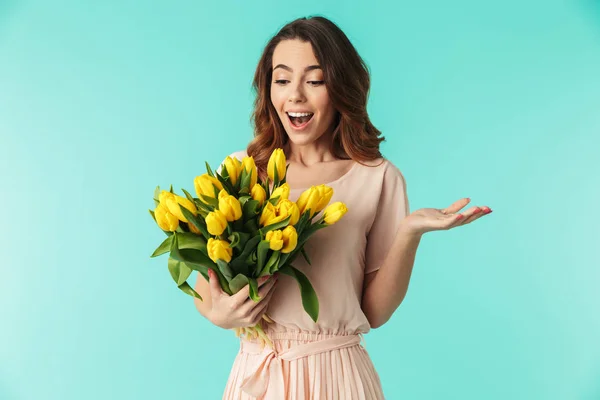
(312, 89)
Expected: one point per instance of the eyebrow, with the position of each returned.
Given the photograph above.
(309, 68)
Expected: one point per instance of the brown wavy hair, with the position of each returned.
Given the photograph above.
(347, 80)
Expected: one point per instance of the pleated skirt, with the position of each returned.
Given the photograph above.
(303, 366)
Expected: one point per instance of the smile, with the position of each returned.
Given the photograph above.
(299, 120)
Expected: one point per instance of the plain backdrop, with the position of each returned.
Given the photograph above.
(100, 102)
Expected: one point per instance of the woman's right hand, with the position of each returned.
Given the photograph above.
(239, 310)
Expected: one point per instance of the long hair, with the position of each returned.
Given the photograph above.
(347, 81)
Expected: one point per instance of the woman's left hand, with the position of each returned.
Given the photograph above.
(433, 219)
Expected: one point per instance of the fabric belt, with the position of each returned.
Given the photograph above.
(268, 376)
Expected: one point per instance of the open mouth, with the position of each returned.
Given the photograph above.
(299, 119)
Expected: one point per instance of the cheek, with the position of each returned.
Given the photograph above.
(276, 98)
(324, 104)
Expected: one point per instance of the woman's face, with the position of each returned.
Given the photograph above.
(299, 93)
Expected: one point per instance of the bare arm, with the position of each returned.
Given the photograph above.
(384, 289)
(203, 289)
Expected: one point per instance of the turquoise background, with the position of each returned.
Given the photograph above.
(100, 102)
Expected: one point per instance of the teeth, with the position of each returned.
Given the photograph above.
(295, 114)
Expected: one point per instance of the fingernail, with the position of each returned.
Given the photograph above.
(460, 216)
(489, 210)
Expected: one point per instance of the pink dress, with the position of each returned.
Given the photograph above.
(325, 360)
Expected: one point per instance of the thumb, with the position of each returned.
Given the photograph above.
(215, 286)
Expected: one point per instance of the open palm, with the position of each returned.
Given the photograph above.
(433, 219)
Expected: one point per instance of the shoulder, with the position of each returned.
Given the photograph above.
(382, 168)
(240, 154)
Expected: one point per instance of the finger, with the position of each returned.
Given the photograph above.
(215, 286)
(260, 309)
(264, 290)
(240, 297)
(470, 215)
(456, 206)
(252, 310)
(476, 215)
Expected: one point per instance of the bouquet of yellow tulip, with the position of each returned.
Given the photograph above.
(242, 229)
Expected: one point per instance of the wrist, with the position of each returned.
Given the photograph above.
(406, 230)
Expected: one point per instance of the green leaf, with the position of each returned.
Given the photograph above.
(303, 251)
(238, 283)
(203, 206)
(156, 195)
(179, 271)
(250, 209)
(211, 201)
(164, 247)
(274, 200)
(284, 180)
(310, 302)
(194, 220)
(253, 289)
(189, 196)
(195, 259)
(244, 199)
(187, 289)
(190, 240)
(308, 232)
(245, 180)
(301, 224)
(251, 226)
(275, 226)
(267, 188)
(261, 253)
(272, 263)
(210, 172)
(226, 184)
(238, 240)
(152, 214)
(216, 191)
(239, 264)
(225, 270)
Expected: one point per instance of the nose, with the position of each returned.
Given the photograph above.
(296, 93)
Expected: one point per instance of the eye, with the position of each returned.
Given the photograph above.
(316, 83)
(281, 81)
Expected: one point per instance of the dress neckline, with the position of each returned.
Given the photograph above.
(338, 180)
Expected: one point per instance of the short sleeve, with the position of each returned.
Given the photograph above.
(392, 207)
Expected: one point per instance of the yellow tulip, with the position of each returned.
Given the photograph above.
(219, 250)
(233, 167)
(334, 212)
(290, 239)
(269, 213)
(282, 191)
(275, 239)
(250, 166)
(172, 202)
(204, 186)
(309, 199)
(277, 160)
(287, 207)
(272, 214)
(258, 193)
(325, 194)
(230, 207)
(165, 220)
(216, 222)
